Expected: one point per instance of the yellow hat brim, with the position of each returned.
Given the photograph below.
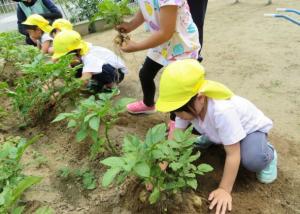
(209, 88)
(27, 22)
(46, 28)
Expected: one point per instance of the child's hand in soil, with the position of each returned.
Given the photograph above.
(129, 46)
(221, 199)
(125, 27)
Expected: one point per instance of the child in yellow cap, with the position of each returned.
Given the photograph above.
(59, 25)
(224, 118)
(102, 70)
(38, 29)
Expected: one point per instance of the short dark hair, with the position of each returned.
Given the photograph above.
(187, 107)
(53, 32)
(31, 27)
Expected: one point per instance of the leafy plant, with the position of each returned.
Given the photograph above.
(64, 172)
(86, 176)
(42, 85)
(142, 158)
(8, 42)
(113, 12)
(12, 182)
(88, 116)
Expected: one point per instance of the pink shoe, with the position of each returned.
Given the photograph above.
(140, 108)
(171, 129)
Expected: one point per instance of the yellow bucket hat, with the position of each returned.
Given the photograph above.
(62, 24)
(66, 41)
(183, 79)
(38, 20)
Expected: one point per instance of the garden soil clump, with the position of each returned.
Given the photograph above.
(253, 55)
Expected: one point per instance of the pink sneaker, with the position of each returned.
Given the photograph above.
(140, 108)
(171, 128)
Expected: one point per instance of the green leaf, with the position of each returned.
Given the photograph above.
(205, 167)
(87, 117)
(72, 123)
(94, 123)
(131, 143)
(194, 157)
(96, 148)
(192, 183)
(142, 169)
(121, 104)
(44, 210)
(156, 134)
(173, 144)
(154, 196)
(81, 135)
(113, 162)
(19, 188)
(158, 154)
(89, 181)
(60, 117)
(109, 176)
(175, 166)
(23, 144)
(178, 135)
(18, 210)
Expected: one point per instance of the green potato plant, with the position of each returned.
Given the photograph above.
(88, 117)
(12, 181)
(44, 84)
(141, 158)
(8, 42)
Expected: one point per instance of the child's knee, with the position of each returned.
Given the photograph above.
(255, 162)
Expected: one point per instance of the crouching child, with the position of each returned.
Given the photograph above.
(101, 70)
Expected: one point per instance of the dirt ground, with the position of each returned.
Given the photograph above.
(257, 57)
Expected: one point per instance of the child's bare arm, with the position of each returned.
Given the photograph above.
(168, 15)
(127, 27)
(232, 163)
(85, 77)
(221, 197)
(45, 47)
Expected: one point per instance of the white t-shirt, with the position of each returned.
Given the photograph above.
(229, 121)
(46, 37)
(97, 57)
(184, 43)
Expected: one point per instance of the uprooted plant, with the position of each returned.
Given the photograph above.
(142, 158)
(113, 12)
(90, 114)
(12, 181)
(44, 84)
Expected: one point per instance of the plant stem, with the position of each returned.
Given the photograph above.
(108, 141)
